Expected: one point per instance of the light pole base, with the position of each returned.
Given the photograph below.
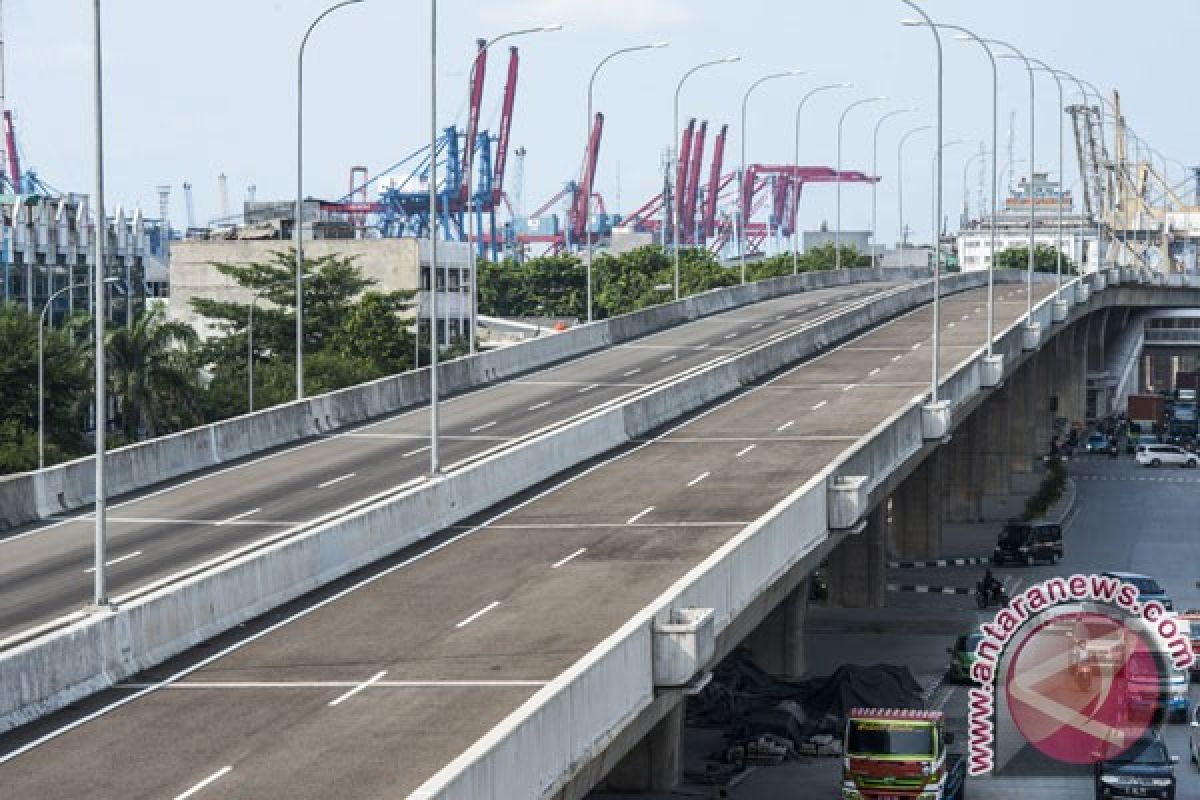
(848, 500)
(991, 371)
(1061, 309)
(1081, 293)
(1031, 336)
(103, 608)
(935, 420)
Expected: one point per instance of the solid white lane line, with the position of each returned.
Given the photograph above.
(588, 388)
(669, 359)
(574, 555)
(698, 478)
(483, 427)
(820, 405)
(633, 371)
(873, 372)
(639, 515)
(329, 483)
(216, 776)
(745, 450)
(343, 697)
(539, 405)
(848, 388)
(117, 560)
(210, 685)
(412, 453)
(236, 517)
(478, 614)
(785, 426)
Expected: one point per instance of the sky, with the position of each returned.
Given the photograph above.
(196, 88)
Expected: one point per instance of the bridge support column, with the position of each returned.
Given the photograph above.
(962, 476)
(778, 642)
(1045, 370)
(655, 764)
(1022, 430)
(916, 530)
(857, 568)
(990, 431)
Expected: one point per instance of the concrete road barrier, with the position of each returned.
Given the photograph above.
(65, 487)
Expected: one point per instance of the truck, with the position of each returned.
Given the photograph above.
(1147, 410)
(898, 753)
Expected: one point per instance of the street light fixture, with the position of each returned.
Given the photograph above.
(875, 174)
(587, 190)
(743, 210)
(1030, 325)
(900, 183)
(837, 236)
(99, 587)
(42, 367)
(473, 298)
(298, 225)
(673, 212)
(796, 168)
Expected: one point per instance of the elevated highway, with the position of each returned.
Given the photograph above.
(535, 650)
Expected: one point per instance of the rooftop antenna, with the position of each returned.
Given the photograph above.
(191, 209)
(223, 191)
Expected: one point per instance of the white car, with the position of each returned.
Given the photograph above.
(1157, 455)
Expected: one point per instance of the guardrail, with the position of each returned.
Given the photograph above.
(65, 487)
(569, 722)
(51, 671)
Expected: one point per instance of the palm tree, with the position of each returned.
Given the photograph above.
(151, 376)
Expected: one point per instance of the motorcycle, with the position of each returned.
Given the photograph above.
(996, 597)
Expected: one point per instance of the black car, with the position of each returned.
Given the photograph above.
(1144, 770)
(1028, 543)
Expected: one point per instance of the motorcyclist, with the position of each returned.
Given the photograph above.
(990, 586)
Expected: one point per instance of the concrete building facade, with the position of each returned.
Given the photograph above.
(394, 264)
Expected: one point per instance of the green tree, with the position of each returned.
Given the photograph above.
(351, 334)
(68, 382)
(152, 376)
(1045, 259)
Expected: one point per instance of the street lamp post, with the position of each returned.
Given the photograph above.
(837, 180)
(587, 190)
(875, 174)
(473, 297)
(673, 212)
(1029, 323)
(937, 251)
(434, 464)
(743, 211)
(796, 168)
(900, 181)
(298, 225)
(42, 366)
(99, 587)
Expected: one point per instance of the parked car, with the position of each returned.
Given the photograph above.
(962, 657)
(1028, 543)
(1097, 443)
(1146, 769)
(1148, 588)
(1157, 455)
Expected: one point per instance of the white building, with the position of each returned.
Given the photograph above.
(974, 241)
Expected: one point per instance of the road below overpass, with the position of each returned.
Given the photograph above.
(45, 569)
(367, 688)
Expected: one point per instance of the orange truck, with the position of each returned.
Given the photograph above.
(900, 754)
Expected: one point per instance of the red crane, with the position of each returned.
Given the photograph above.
(708, 221)
(476, 101)
(506, 117)
(587, 179)
(691, 189)
(681, 172)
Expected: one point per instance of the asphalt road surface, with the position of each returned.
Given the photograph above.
(45, 569)
(367, 688)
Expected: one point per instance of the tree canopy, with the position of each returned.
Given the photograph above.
(1045, 259)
